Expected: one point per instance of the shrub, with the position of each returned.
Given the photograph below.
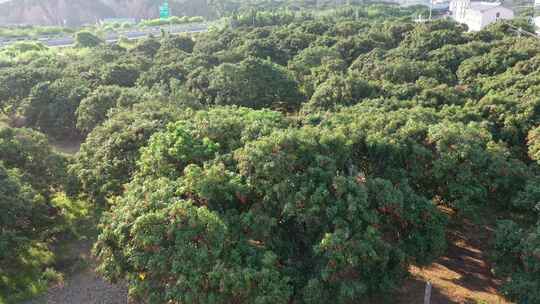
(87, 40)
(340, 91)
(253, 83)
(51, 107)
(517, 258)
(24, 217)
(534, 144)
(29, 153)
(120, 74)
(30, 174)
(108, 157)
(281, 214)
(182, 42)
(94, 108)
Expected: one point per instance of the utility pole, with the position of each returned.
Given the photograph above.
(430, 9)
(427, 293)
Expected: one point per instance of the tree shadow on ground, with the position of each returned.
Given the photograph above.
(462, 275)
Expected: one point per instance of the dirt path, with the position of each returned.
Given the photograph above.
(69, 147)
(463, 275)
(83, 286)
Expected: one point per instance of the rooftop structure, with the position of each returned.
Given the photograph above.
(477, 15)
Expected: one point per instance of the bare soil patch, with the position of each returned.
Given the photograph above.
(463, 275)
(83, 285)
(68, 146)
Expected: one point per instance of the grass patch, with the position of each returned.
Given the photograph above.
(32, 276)
(75, 215)
(3, 121)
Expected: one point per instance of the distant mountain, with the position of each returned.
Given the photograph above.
(77, 12)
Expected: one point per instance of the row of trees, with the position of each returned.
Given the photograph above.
(172, 20)
(30, 175)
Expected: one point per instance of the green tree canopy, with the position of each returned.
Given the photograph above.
(86, 39)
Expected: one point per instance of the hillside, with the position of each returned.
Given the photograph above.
(77, 12)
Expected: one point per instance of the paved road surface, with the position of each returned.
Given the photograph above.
(114, 37)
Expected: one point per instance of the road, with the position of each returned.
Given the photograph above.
(113, 37)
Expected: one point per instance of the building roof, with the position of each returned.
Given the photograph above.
(482, 6)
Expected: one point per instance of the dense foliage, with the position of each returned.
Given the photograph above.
(87, 39)
(171, 20)
(291, 156)
(30, 172)
(108, 157)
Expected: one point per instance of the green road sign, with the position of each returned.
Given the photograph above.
(164, 11)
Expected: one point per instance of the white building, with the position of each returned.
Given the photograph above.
(477, 15)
